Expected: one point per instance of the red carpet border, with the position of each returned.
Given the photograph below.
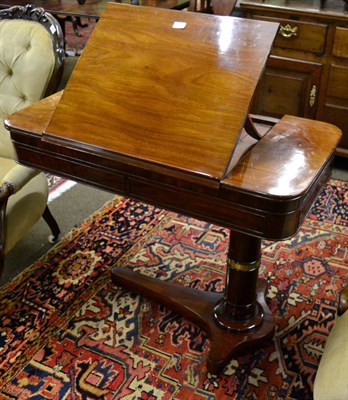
(68, 333)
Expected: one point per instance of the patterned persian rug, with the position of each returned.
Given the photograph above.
(68, 333)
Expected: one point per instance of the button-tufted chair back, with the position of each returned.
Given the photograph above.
(31, 65)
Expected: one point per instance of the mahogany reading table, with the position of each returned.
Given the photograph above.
(157, 110)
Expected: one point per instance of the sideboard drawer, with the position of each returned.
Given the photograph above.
(298, 35)
(340, 45)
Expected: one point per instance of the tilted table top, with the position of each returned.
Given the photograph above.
(167, 87)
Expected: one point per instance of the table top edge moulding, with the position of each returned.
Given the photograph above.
(202, 88)
(261, 187)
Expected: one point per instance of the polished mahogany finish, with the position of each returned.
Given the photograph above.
(163, 122)
(164, 95)
(267, 194)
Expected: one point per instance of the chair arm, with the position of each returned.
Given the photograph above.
(15, 179)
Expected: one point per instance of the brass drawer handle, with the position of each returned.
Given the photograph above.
(287, 31)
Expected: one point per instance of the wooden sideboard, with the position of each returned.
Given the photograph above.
(307, 73)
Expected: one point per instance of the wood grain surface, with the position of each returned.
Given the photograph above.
(174, 97)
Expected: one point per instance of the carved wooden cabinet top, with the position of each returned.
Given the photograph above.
(165, 87)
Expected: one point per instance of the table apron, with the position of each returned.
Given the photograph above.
(253, 216)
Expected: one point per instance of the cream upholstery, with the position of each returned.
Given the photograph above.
(31, 197)
(31, 63)
(331, 381)
(24, 45)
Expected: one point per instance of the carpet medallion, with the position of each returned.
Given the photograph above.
(68, 333)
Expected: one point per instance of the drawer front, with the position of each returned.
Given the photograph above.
(340, 45)
(298, 35)
(338, 83)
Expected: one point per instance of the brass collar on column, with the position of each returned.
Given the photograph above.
(245, 267)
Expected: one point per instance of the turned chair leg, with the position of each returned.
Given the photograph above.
(52, 223)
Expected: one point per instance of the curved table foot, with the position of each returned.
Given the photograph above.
(199, 307)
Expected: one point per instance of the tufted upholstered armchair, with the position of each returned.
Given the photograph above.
(31, 64)
(331, 381)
